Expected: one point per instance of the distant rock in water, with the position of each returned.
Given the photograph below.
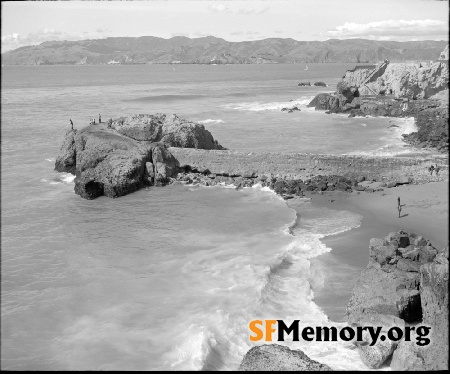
(290, 110)
(320, 84)
(304, 84)
(275, 357)
(130, 153)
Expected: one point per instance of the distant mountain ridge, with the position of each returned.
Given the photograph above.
(212, 50)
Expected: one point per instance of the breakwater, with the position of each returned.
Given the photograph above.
(303, 166)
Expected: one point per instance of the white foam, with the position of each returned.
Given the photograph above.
(209, 120)
(276, 105)
(394, 144)
(50, 159)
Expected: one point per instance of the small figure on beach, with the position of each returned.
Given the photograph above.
(399, 210)
(398, 201)
(93, 122)
(430, 169)
(71, 123)
(99, 118)
(436, 169)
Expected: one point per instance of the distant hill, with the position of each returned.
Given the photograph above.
(211, 50)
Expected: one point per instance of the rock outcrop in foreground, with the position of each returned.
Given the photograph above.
(275, 357)
(405, 283)
(130, 153)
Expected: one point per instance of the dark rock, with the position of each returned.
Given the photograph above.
(167, 129)
(275, 357)
(304, 84)
(66, 160)
(320, 84)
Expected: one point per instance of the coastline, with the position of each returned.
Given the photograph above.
(425, 213)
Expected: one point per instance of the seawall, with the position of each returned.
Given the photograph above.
(303, 166)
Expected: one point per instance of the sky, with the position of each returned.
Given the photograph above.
(34, 22)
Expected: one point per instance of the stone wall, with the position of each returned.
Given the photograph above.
(303, 166)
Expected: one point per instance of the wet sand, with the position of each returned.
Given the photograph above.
(424, 211)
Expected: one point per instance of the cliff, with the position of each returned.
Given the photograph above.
(405, 283)
(117, 158)
(411, 80)
(211, 50)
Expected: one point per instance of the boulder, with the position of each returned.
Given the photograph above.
(167, 129)
(374, 356)
(66, 159)
(275, 357)
(320, 84)
(304, 84)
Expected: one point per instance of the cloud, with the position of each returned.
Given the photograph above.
(15, 40)
(253, 11)
(222, 8)
(392, 30)
(179, 34)
(219, 8)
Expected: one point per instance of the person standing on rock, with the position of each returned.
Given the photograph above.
(71, 123)
(436, 169)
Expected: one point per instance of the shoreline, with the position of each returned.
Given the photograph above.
(425, 212)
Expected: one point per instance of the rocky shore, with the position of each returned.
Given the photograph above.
(405, 284)
(396, 90)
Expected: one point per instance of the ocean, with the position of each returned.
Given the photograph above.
(167, 278)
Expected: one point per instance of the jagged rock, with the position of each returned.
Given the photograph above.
(66, 159)
(444, 54)
(166, 166)
(167, 129)
(376, 355)
(406, 278)
(115, 163)
(304, 84)
(275, 357)
(403, 80)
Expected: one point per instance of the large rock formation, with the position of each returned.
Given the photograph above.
(444, 54)
(132, 152)
(167, 129)
(420, 91)
(275, 357)
(406, 282)
(432, 131)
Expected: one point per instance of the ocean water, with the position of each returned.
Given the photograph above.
(165, 278)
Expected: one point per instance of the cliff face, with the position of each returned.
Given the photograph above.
(116, 159)
(412, 81)
(211, 50)
(405, 282)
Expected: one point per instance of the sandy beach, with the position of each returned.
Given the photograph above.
(424, 211)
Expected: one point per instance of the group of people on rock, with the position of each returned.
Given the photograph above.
(92, 121)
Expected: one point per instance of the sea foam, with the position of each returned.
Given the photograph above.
(277, 105)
